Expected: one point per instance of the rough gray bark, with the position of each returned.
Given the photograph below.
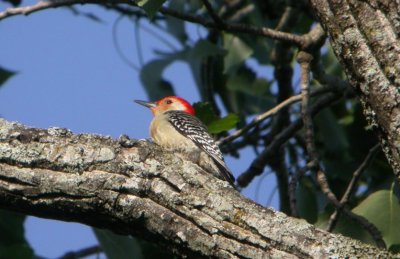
(133, 187)
(365, 37)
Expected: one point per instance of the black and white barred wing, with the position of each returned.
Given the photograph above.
(195, 130)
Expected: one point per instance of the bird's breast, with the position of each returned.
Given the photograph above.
(165, 135)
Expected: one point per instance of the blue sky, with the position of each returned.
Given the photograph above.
(70, 75)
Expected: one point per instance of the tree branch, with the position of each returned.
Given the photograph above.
(43, 5)
(257, 166)
(213, 14)
(304, 60)
(87, 251)
(230, 27)
(273, 111)
(352, 186)
(370, 33)
(134, 187)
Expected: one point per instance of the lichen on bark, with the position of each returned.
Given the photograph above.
(133, 187)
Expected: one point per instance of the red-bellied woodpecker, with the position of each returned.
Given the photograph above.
(175, 127)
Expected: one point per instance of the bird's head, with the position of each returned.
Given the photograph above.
(170, 103)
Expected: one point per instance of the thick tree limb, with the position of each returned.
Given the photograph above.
(133, 187)
(365, 38)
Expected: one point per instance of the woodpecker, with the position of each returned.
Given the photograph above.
(175, 127)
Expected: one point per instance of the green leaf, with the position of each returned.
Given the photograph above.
(151, 77)
(12, 236)
(224, 124)
(334, 146)
(333, 135)
(150, 6)
(241, 80)
(215, 125)
(175, 26)
(261, 50)
(307, 201)
(193, 5)
(151, 73)
(248, 94)
(196, 55)
(238, 52)
(5, 75)
(151, 250)
(117, 246)
(382, 208)
(205, 112)
(261, 47)
(394, 249)
(346, 120)
(204, 48)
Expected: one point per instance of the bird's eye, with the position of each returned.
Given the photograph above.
(168, 101)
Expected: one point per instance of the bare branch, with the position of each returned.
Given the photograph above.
(375, 233)
(257, 166)
(236, 28)
(281, 56)
(43, 5)
(271, 112)
(351, 187)
(213, 14)
(349, 24)
(305, 59)
(85, 252)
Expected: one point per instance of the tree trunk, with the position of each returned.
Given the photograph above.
(133, 187)
(365, 37)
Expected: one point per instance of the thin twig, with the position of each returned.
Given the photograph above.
(241, 13)
(288, 17)
(43, 5)
(283, 74)
(82, 253)
(314, 39)
(293, 184)
(257, 166)
(236, 27)
(131, 11)
(356, 175)
(373, 231)
(213, 14)
(351, 187)
(305, 59)
(260, 118)
(319, 72)
(277, 164)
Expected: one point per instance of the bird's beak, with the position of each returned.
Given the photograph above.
(146, 104)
